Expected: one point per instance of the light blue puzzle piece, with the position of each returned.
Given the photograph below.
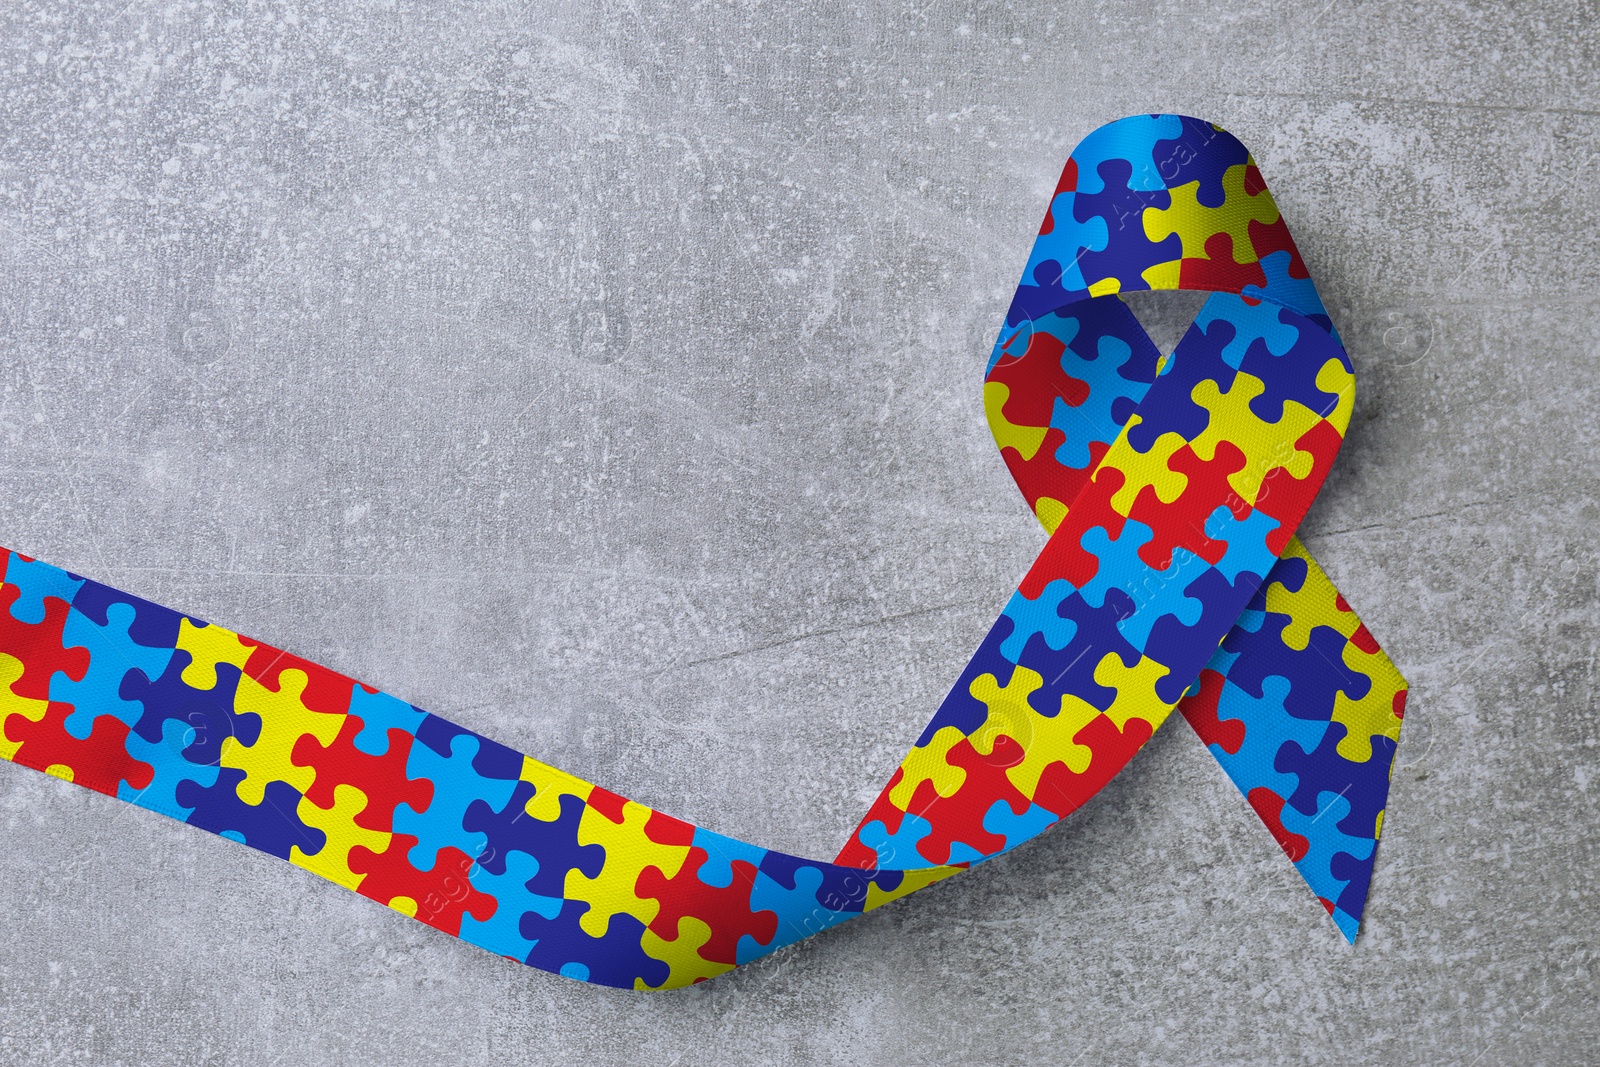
(502, 932)
(456, 784)
(1267, 727)
(112, 655)
(36, 581)
(1326, 839)
(898, 851)
(1300, 294)
(1154, 593)
(721, 852)
(1119, 559)
(1016, 829)
(1133, 139)
(1040, 616)
(165, 757)
(1247, 542)
(1092, 420)
(961, 852)
(1064, 245)
(379, 713)
(800, 913)
(1157, 594)
(1251, 324)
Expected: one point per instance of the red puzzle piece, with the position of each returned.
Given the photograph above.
(1182, 523)
(726, 910)
(382, 778)
(38, 646)
(1201, 711)
(98, 763)
(326, 691)
(442, 895)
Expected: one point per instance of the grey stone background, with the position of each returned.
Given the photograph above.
(604, 376)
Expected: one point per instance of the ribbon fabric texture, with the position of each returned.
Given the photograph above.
(1170, 490)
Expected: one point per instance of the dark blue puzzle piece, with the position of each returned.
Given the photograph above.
(1201, 153)
(1364, 785)
(617, 959)
(1108, 316)
(1173, 645)
(1198, 358)
(273, 826)
(493, 760)
(553, 844)
(960, 708)
(1044, 297)
(1289, 572)
(841, 889)
(1291, 376)
(208, 712)
(1357, 873)
(153, 625)
(1129, 252)
(1072, 668)
(1316, 673)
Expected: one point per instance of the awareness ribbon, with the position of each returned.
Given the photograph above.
(1170, 488)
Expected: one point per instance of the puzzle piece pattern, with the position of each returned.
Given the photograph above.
(1165, 497)
(1170, 491)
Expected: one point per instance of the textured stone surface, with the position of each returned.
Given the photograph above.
(604, 377)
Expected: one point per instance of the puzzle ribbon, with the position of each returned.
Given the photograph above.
(1171, 578)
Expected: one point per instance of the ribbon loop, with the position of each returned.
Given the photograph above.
(1170, 490)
